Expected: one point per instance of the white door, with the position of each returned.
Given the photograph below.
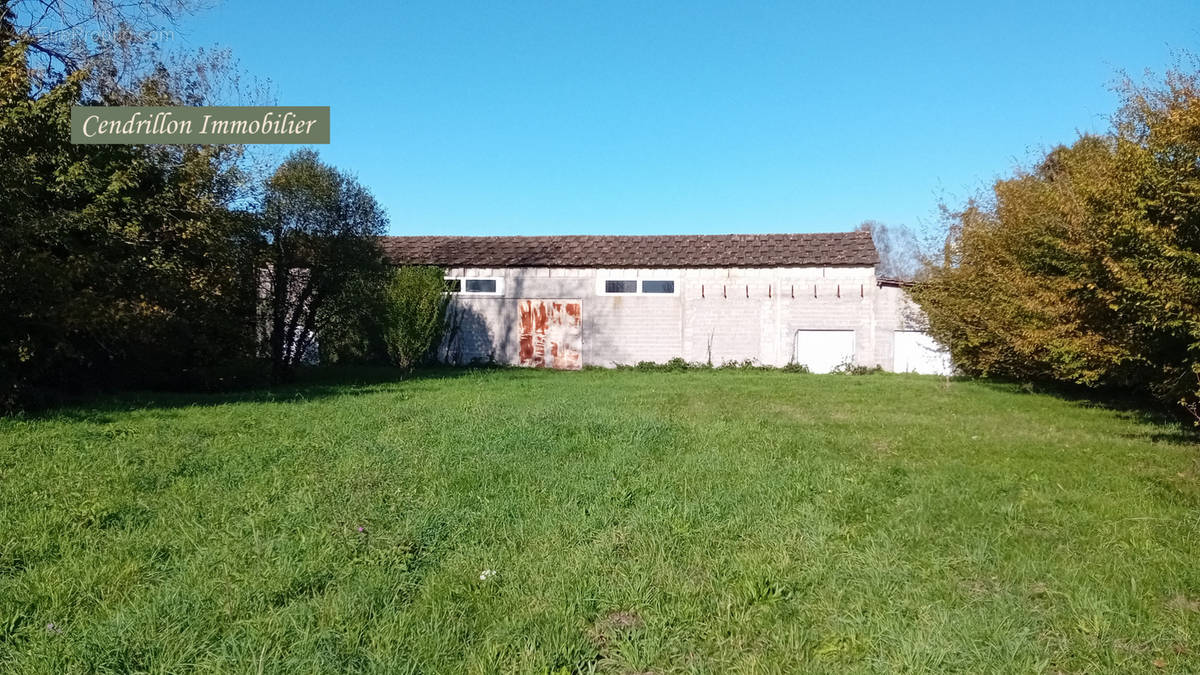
(824, 350)
(917, 352)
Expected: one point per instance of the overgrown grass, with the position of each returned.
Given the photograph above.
(690, 521)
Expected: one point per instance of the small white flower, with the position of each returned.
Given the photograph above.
(486, 574)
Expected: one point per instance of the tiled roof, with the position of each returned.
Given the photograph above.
(717, 250)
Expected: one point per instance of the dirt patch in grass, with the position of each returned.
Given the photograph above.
(882, 446)
(612, 626)
(1182, 602)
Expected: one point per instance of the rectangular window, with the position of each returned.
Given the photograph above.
(480, 285)
(664, 286)
(620, 286)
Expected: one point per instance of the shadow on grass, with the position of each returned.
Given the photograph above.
(1161, 424)
(1170, 424)
(311, 384)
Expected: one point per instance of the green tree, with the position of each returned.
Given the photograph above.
(323, 263)
(414, 316)
(122, 264)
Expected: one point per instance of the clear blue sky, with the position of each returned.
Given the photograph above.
(691, 117)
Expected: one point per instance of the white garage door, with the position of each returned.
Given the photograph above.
(824, 350)
(916, 352)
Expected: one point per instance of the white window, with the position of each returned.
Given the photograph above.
(636, 287)
(480, 285)
(475, 285)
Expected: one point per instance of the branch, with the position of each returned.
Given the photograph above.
(290, 352)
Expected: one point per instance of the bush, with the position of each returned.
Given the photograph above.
(1085, 268)
(414, 315)
(747, 364)
(675, 365)
(679, 365)
(849, 368)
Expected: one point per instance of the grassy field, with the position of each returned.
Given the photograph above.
(624, 521)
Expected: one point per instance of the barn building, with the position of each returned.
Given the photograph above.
(773, 299)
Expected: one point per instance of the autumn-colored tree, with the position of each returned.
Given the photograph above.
(1086, 267)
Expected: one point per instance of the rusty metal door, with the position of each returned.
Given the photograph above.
(551, 334)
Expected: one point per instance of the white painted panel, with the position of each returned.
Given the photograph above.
(824, 350)
(917, 352)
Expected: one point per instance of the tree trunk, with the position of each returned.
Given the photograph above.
(280, 280)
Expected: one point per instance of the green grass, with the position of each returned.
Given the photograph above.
(694, 521)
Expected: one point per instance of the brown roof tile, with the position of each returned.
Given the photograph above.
(715, 250)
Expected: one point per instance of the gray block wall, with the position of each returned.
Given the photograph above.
(717, 315)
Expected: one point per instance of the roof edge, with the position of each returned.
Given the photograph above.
(846, 249)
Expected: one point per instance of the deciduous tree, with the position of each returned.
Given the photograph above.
(122, 264)
(323, 261)
(1086, 267)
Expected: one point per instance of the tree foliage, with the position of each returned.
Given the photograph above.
(139, 264)
(1086, 267)
(122, 264)
(414, 316)
(322, 261)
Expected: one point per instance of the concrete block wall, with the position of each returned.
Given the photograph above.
(727, 314)
(894, 311)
